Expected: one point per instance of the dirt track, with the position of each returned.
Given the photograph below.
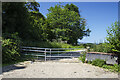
(59, 69)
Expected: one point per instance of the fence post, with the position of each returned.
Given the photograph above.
(50, 54)
(45, 54)
(58, 52)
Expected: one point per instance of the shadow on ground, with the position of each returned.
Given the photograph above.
(12, 67)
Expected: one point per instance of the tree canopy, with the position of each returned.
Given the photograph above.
(62, 22)
(22, 17)
(66, 24)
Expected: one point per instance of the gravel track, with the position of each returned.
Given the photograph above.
(64, 68)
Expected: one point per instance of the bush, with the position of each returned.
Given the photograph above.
(10, 48)
(102, 63)
(83, 57)
(102, 47)
(115, 67)
(98, 62)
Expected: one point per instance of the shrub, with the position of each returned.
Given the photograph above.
(98, 62)
(10, 48)
(115, 67)
(102, 63)
(83, 57)
(102, 47)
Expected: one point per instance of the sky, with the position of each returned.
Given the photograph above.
(99, 16)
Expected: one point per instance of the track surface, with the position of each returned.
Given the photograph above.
(64, 68)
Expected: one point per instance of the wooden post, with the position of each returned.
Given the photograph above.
(45, 54)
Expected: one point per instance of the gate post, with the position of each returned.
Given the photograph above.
(45, 54)
(50, 54)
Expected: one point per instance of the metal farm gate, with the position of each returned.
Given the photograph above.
(52, 53)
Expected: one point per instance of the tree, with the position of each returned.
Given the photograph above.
(66, 24)
(72, 7)
(38, 31)
(32, 6)
(21, 21)
(113, 37)
(16, 18)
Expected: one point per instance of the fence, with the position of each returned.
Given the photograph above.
(53, 53)
(49, 52)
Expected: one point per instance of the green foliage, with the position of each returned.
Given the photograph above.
(83, 57)
(10, 48)
(72, 7)
(115, 67)
(62, 22)
(91, 45)
(102, 63)
(32, 6)
(113, 37)
(17, 18)
(22, 22)
(49, 44)
(102, 47)
(38, 30)
(98, 62)
(65, 24)
(113, 41)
